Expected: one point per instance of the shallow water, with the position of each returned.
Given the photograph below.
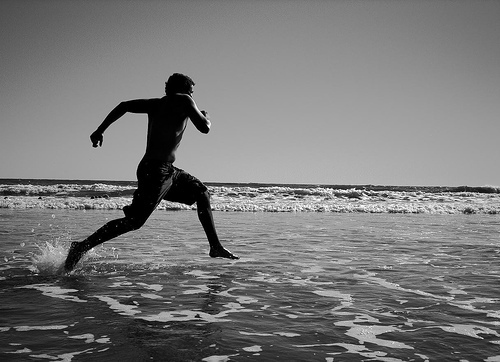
(308, 287)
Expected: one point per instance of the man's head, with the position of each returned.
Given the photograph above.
(179, 83)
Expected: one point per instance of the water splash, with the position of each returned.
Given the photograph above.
(51, 258)
(51, 255)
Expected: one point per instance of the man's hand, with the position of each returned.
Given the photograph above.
(96, 138)
(205, 113)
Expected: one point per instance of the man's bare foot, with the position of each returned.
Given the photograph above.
(222, 252)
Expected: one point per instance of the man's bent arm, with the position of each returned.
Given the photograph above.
(199, 118)
(135, 106)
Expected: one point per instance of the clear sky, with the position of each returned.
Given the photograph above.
(328, 92)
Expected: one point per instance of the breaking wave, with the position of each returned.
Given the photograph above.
(113, 195)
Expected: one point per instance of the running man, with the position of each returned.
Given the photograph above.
(157, 178)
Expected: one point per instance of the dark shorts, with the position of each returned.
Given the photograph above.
(161, 181)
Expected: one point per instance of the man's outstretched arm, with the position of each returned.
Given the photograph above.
(134, 106)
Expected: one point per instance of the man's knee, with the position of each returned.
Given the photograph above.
(135, 223)
(203, 198)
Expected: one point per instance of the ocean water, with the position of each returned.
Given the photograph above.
(326, 274)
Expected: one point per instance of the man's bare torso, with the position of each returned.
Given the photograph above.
(167, 120)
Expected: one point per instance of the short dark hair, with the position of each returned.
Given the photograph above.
(178, 83)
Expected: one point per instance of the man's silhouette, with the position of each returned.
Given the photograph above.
(157, 178)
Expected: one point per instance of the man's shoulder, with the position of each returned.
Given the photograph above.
(145, 101)
(179, 100)
(180, 97)
(157, 100)
(155, 103)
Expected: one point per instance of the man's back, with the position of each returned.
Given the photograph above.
(167, 120)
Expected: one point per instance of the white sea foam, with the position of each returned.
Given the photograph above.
(39, 328)
(55, 292)
(470, 330)
(217, 358)
(253, 349)
(40, 189)
(368, 333)
(260, 199)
